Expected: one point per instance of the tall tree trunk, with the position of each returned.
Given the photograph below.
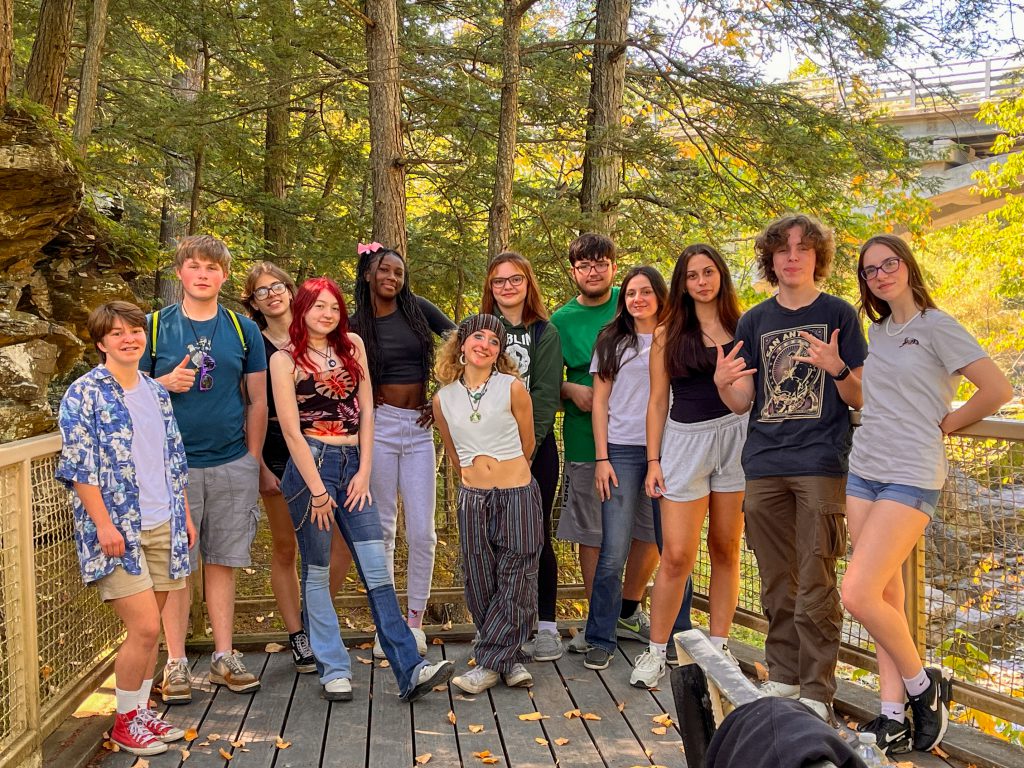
(45, 72)
(180, 168)
(89, 85)
(6, 49)
(279, 64)
(200, 156)
(499, 218)
(387, 161)
(599, 198)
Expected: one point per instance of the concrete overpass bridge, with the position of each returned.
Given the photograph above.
(939, 104)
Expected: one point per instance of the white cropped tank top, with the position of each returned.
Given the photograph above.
(496, 434)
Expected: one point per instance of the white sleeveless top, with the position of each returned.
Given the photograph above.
(496, 434)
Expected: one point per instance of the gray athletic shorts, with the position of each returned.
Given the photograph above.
(703, 457)
(224, 503)
(580, 520)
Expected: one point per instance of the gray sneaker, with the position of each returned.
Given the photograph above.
(518, 677)
(547, 646)
(579, 643)
(636, 627)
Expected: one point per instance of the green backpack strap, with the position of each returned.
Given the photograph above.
(155, 322)
(238, 330)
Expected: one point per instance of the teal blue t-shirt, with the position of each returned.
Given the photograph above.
(212, 423)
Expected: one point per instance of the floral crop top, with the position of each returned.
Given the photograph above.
(327, 402)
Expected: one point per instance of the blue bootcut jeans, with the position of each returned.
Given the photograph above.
(630, 465)
(362, 532)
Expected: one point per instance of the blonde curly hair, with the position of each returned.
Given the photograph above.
(448, 366)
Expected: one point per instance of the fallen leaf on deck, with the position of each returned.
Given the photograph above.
(648, 752)
(940, 752)
(273, 648)
(476, 729)
(533, 716)
(260, 619)
(762, 671)
(364, 646)
(249, 571)
(439, 688)
(659, 730)
(621, 706)
(185, 754)
(364, 661)
(108, 744)
(370, 629)
(213, 737)
(590, 716)
(225, 754)
(282, 744)
(140, 763)
(490, 760)
(348, 622)
(663, 720)
(238, 744)
(485, 753)
(460, 697)
(571, 714)
(361, 589)
(542, 742)
(384, 664)
(437, 641)
(446, 626)
(561, 742)
(451, 717)
(203, 744)
(471, 662)
(191, 734)
(424, 758)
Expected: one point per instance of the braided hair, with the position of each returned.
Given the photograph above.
(364, 318)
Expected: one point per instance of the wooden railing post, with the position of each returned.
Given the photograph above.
(27, 669)
(914, 598)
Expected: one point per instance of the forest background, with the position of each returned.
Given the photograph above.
(454, 129)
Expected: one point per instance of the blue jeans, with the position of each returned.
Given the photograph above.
(630, 465)
(362, 532)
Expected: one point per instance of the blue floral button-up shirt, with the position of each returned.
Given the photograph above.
(97, 430)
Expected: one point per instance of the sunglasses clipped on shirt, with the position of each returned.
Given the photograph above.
(260, 294)
(205, 367)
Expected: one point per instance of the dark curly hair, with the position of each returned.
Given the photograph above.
(776, 235)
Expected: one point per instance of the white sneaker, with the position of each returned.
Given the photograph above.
(339, 689)
(820, 708)
(579, 643)
(378, 652)
(728, 654)
(477, 680)
(781, 690)
(649, 669)
(518, 677)
(421, 640)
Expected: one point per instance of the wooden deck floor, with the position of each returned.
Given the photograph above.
(377, 730)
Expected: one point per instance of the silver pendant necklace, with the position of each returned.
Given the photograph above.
(475, 396)
(331, 362)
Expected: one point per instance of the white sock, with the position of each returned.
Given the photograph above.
(718, 642)
(218, 655)
(147, 689)
(894, 711)
(659, 649)
(917, 684)
(548, 626)
(127, 701)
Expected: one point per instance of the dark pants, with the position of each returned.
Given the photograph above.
(797, 529)
(546, 472)
(500, 531)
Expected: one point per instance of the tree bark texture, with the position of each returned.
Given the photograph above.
(181, 166)
(90, 81)
(499, 218)
(6, 49)
(45, 72)
(387, 162)
(599, 197)
(279, 64)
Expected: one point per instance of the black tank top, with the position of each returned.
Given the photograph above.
(327, 402)
(695, 397)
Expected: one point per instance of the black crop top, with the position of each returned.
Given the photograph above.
(327, 402)
(695, 398)
(268, 345)
(401, 354)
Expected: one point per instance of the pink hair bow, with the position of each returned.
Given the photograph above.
(371, 248)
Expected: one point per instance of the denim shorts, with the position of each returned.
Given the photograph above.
(922, 499)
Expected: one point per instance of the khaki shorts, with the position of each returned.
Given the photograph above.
(155, 560)
(580, 521)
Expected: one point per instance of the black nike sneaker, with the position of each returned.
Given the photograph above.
(892, 736)
(931, 711)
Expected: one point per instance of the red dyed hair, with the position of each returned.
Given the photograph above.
(337, 339)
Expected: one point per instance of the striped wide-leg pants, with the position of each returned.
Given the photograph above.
(501, 532)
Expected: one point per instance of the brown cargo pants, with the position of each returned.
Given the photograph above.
(797, 529)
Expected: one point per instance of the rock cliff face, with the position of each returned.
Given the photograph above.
(56, 265)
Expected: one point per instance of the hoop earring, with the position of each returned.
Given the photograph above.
(462, 359)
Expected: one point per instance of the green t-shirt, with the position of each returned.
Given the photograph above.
(578, 327)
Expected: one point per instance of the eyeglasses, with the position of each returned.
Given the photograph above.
(514, 280)
(888, 266)
(586, 267)
(274, 288)
(209, 364)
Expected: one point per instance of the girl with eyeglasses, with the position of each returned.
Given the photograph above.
(400, 329)
(512, 295)
(325, 406)
(916, 356)
(694, 450)
(267, 295)
(485, 417)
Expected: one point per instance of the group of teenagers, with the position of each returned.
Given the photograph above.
(679, 409)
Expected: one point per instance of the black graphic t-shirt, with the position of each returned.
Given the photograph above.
(799, 425)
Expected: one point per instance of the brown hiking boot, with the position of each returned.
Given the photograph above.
(230, 671)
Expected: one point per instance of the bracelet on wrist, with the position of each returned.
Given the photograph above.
(602, 459)
(318, 495)
(318, 506)
(655, 459)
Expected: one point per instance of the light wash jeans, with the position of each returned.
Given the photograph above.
(404, 460)
(362, 532)
(630, 465)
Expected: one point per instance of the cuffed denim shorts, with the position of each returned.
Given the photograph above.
(922, 499)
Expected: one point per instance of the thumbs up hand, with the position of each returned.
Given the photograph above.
(181, 378)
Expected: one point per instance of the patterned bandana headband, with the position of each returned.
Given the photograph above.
(475, 323)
